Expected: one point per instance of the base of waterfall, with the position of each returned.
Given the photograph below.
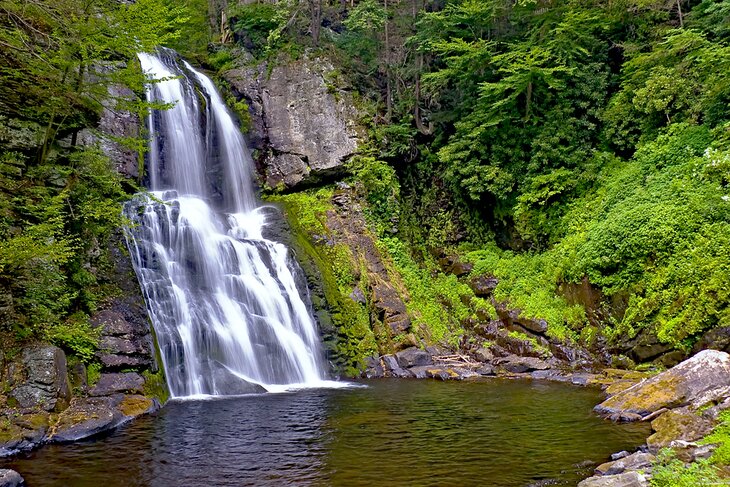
(275, 389)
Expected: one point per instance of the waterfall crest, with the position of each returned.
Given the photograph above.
(223, 299)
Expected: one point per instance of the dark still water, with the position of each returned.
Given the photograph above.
(392, 432)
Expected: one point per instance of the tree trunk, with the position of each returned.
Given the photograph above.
(316, 8)
(388, 88)
(679, 11)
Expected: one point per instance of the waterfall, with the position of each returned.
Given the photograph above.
(222, 299)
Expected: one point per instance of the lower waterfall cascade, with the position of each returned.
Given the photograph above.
(223, 299)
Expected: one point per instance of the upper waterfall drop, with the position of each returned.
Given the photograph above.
(223, 299)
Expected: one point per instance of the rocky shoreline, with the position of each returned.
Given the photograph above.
(683, 403)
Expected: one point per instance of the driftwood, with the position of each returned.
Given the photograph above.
(456, 360)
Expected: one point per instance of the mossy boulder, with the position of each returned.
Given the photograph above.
(678, 424)
(700, 380)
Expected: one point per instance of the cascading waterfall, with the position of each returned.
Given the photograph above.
(223, 299)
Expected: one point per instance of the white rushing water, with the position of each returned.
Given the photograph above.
(223, 299)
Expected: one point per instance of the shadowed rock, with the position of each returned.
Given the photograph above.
(46, 383)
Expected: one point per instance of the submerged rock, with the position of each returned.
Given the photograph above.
(697, 381)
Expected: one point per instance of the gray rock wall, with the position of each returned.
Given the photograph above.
(303, 127)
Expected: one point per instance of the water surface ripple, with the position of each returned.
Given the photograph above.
(393, 432)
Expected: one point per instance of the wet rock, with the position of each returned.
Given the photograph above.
(582, 379)
(393, 369)
(373, 368)
(619, 455)
(112, 383)
(695, 382)
(412, 357)
(628, 479)
(636, 461)
(21, 433)
(438, 372)
(86, 417)
(549, 374)
(10, 478)
(486, 370)
(678, 424)
(304, 131)
(519, 365)
(45, 384)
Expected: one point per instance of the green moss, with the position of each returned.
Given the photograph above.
(93, 373)
(529, 282)
(333, 268)
(721, 437)
(672, 472)
(155, 386)
(439, 303)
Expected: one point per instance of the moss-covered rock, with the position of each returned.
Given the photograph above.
(698, 381)
(677, 424)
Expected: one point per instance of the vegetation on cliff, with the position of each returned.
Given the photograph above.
(61, 64)
(551, 144)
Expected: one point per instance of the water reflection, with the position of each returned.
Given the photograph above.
(415, 433)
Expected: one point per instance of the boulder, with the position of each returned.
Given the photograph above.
(519, 365)
(45, 384)
(10, 478)
(392, 368)
(628, 479)
(697, 381)
(678, 424)
(411, 357)
(717, 338)
(636, 461)
(373, 368)
(86, 417)
(486, 370)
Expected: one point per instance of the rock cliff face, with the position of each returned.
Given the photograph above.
(52, 400)
(303, 128)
